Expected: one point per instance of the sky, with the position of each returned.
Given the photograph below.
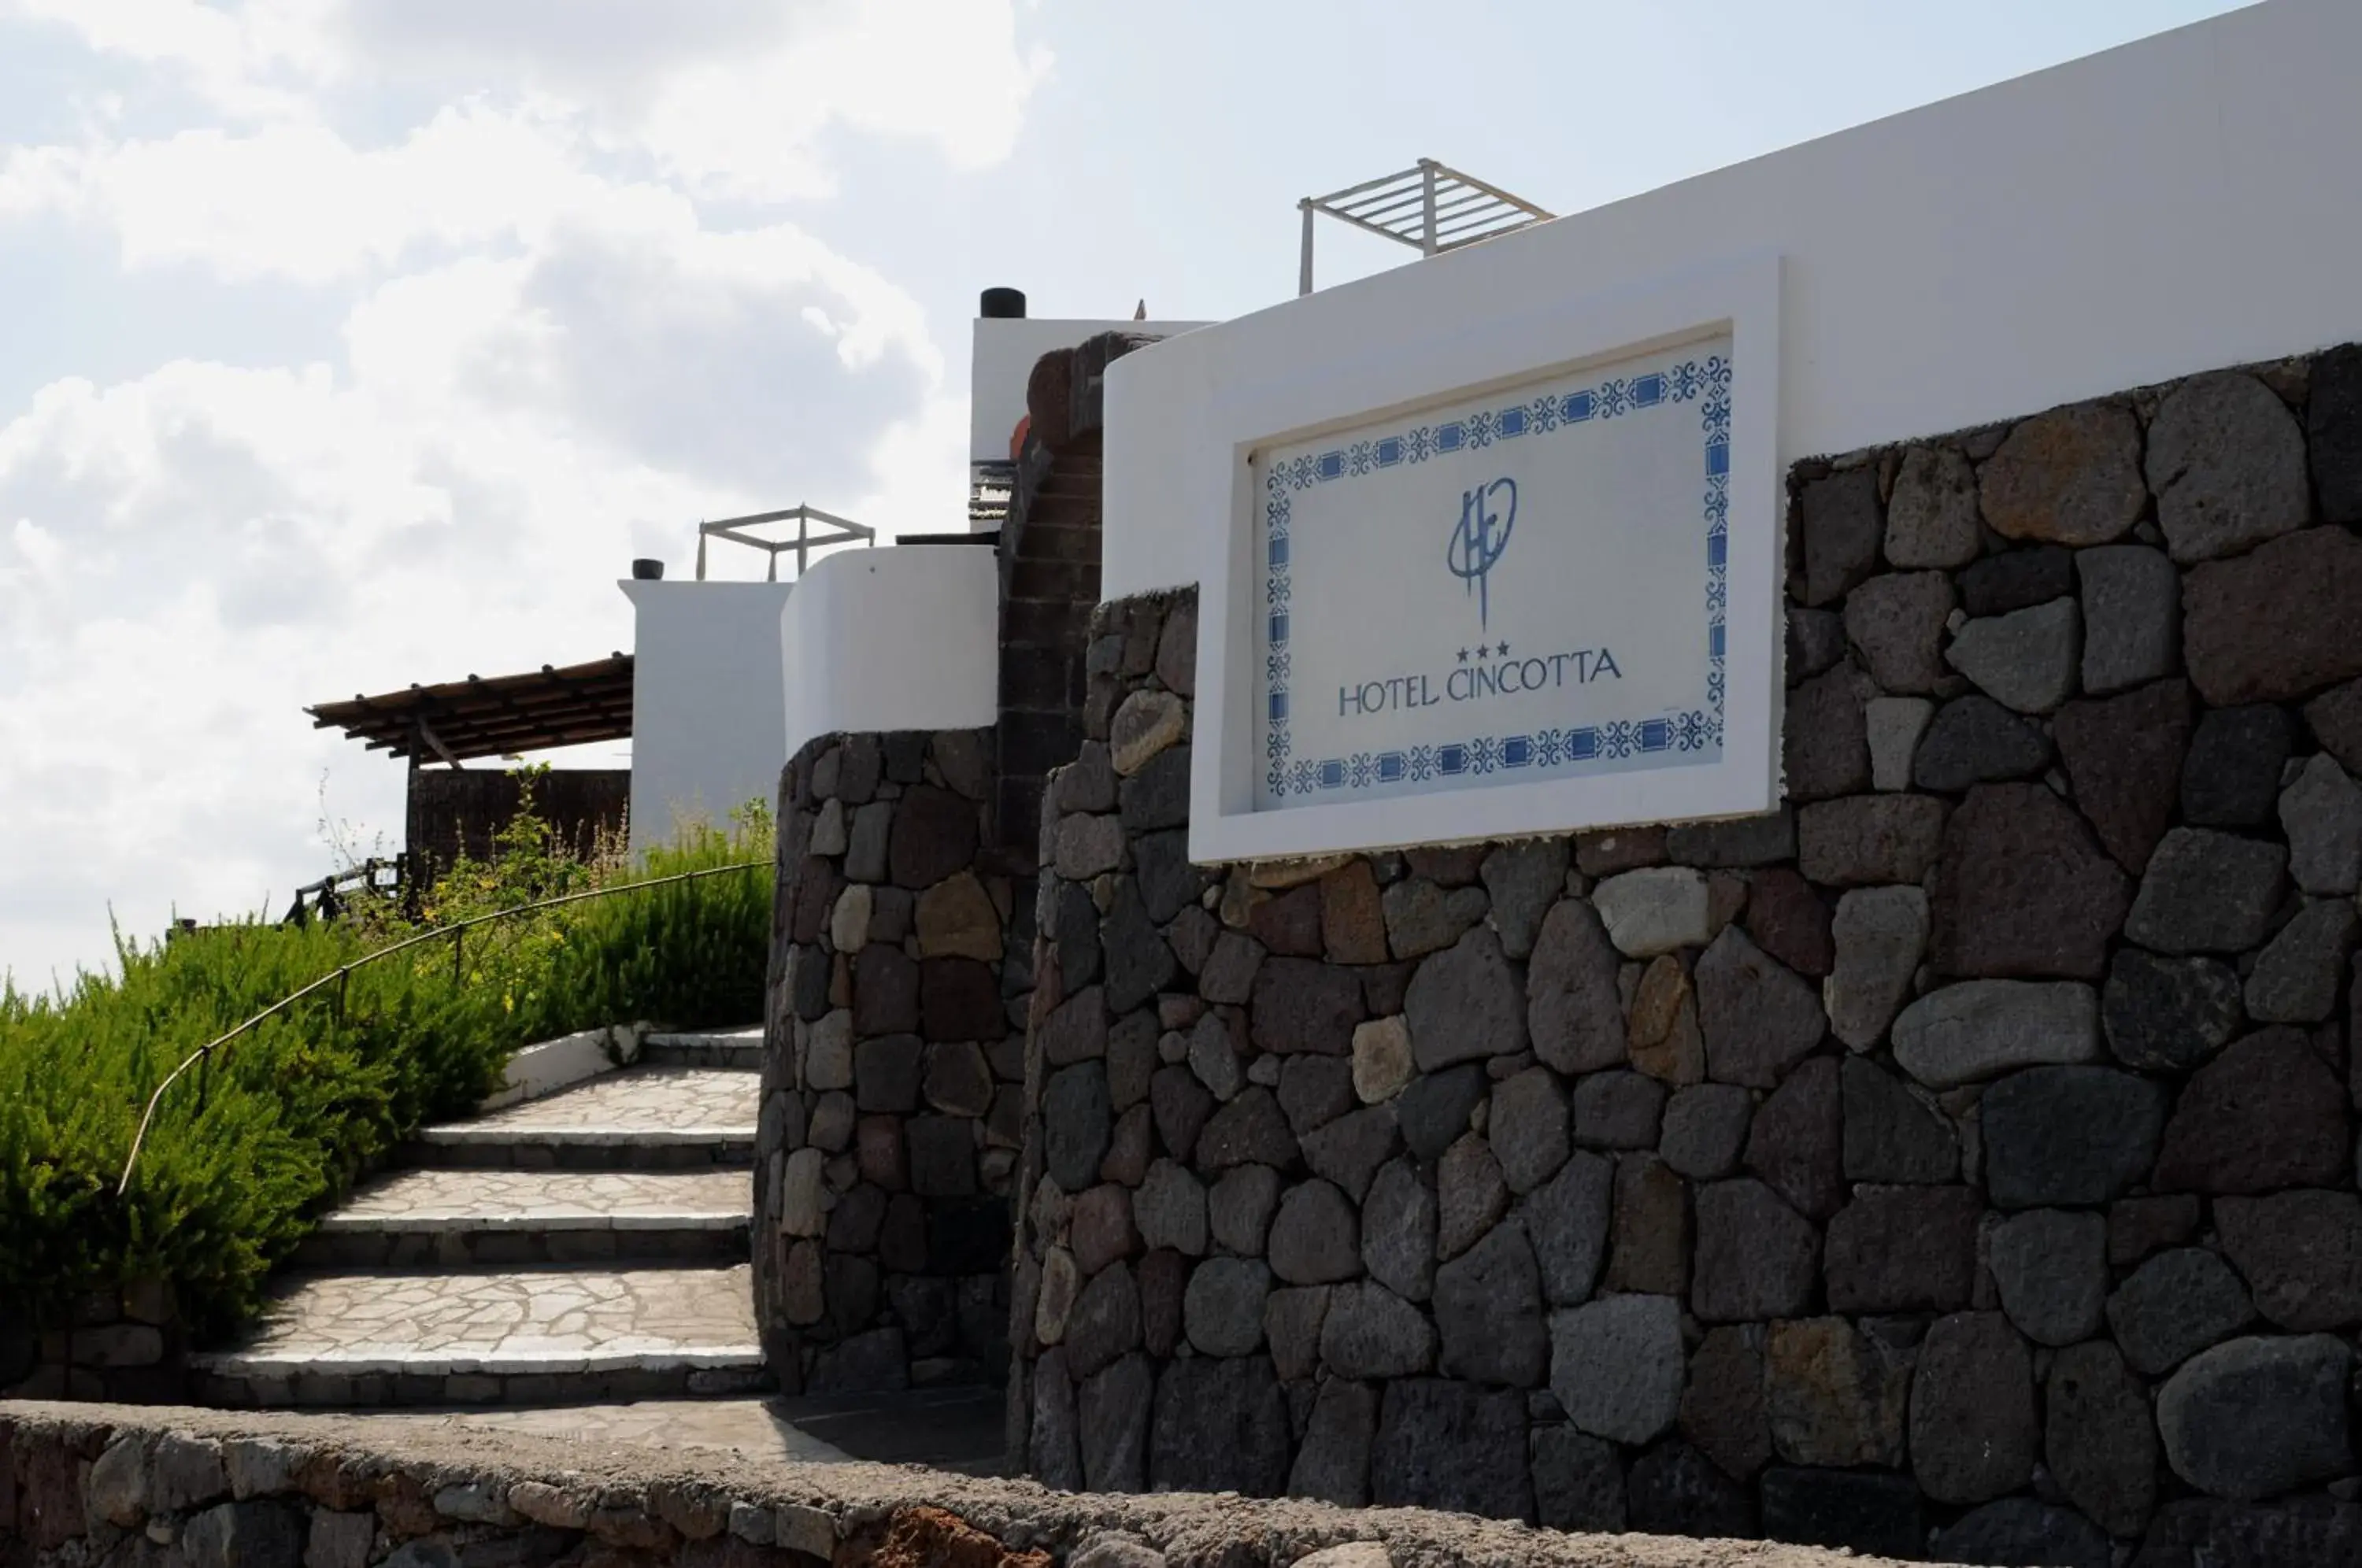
(353, 343)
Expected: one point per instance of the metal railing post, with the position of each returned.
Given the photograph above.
(1427, 203)
(1304, 266)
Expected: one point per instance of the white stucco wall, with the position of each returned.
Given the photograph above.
(706, 735)
(2187, 201)
(901, 638)
(1002, 360)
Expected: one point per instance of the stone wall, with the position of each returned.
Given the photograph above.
(891, 1098)
(1959, 1161)
(82, 1486)
(128, 1345)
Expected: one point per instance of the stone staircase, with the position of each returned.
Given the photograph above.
(583, 1247)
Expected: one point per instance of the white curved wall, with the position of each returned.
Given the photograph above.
(901, 638)
(2188, 201)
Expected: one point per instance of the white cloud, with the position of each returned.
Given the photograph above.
(551, 359)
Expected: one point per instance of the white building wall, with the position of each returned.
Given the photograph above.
(2187, 201)
(706, 692)
(905, 638)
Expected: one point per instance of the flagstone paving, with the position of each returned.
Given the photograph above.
(549, 1320)
(567, 1200)
(602, 1281)
(636, 1104)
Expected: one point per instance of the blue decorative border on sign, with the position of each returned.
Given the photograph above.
(1705, 383)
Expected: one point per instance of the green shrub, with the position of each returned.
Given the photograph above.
(246, 1150)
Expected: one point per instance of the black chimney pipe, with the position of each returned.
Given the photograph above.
(1002, 304)
(647, 568)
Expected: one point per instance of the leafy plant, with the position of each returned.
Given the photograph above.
(248, 1149)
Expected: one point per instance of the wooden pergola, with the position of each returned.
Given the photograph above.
(503, 716)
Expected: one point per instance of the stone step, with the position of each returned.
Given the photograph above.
(455, 1219)
(740, 1049)
(656, 1117)
(490, 1337)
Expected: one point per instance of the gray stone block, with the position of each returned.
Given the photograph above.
(1618, 1364)
(1979, 1029)
(1488, 1311)
(1973, 1431)
(1824, 736)
(1465, 1004)
(1722, 1405)
(1757, 1258)
(2021, 1530)
(2226, 463)
(1897, 623)
(1112, 1412)
(1734, 842)
(1974, 740)
(1333, 1462)
(1902, 1249)
(2258, 1415)
(1528, 1128)
(1578, 1482)
(1843, 524)
(1220, 1425)
(1573, 1011)
(1895, 1134)
(2174, 1305)
(2132, 616)
(1398, 1230)
(1470, 1194)
(2301, 1254)
(2322, 814)
(2168, 1014)
(2028, 659)
(1864, 840)
(2300, 977)
(1370, 1331)
(1523, 880)
(2069, 1135)
(1656, 910)
(2099, 1439)
(1316, 1237)
(2051, 1268)
(2265, 1114)
(1616, 1111)
(2231, 777)
(1705, 1129)
(1881, 934)
(1349, 1150)
(1893, 726)
(1758, 1017)
(1931, 515)
(1442, 1445)
(1221, 1311)
(1239, 1207)
(1567, 1223)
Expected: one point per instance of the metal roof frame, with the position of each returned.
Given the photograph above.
(837, 531)
(1431, 206)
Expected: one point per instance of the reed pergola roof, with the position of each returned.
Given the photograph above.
(500, 716)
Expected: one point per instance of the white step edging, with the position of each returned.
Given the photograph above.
(554, 1065)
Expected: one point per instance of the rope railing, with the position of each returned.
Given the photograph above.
(456, 931)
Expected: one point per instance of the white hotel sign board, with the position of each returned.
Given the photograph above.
(1543, 605)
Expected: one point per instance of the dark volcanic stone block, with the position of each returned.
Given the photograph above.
(1873, 1513)
(2124, 756)
(2069, 1135)
(2265, 1114)
(2022, 890)
(2281, 621)
(1220, 1425)
(2231, 777)
(1451, 1445)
